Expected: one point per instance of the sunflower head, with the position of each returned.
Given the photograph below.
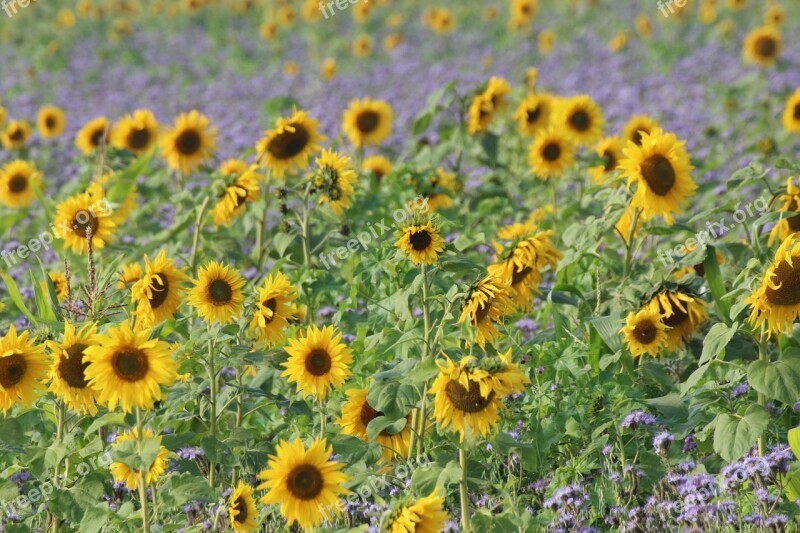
(776, 303)
(290, 144)
(23, 367)
(217, 293)
(762, 46)
(357, 414)
(334, 178)
(242, 509)
(421, 241)
(534, 113)
(633, 129)
(79, 216)
(645, 333)
(136, 132)
(51, 122)
(15, 134)
(93, 135)
(610, 150)
(377, 165)
(244, 189)
(551, 154)
(274, 309)
(190, 143)
(17, 181)
(486, 304)
(367, 122)
(682, 312)
(426, 514)
(130, 476)
(318, 361)
(791, 113)
(68, 370)
(581, 119)
(157, 293)
(59, 281)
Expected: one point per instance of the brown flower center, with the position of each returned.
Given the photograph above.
(468, 401)
(580, 120)
(519, 275)
(551, 152)
(17, 135)
(272, 305)
(420, 240)
(788, 279)
(241, 510)
(677, 317)
(289, 143)
(368, 121)
(305, 482)
(611, 161)
(659, 174)
(84, 220)
(532, 116)
(482, 313)
(188, 142)
(318, 362)
(220, 292)
(138, 139)
(12, 370)
(368, 414)
(159, 290)
(130, 364)
(72, 368)
(637, 137)
(645, 332)
(97, 137)
(17, 183)
(797, 112)
(50, 122)
(766, 47)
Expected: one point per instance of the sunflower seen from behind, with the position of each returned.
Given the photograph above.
(242, 509)
(377, 165)
(158, 292)
(128, 368)
(367, 122)
(610, 150)
(217, 293)
(304, 481)
(51, 122)
(289, 145)
(77, 216)
(551, 154)
(274, 309)
(93, 135)
(425, 515)
(644, 332)
(136, 132)
(16, 134)
(68, 379)
(486, 304)
(334, 179)
(130, 476)
(421, 241)
(357, 413)
(681, 312)
(762, 46)
(17, 181)
(791, 113)
(581, 119)
(23, 368)
(190, 143)
(318, 361)
(775, 304)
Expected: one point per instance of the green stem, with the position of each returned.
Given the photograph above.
(321, 419)
(198, 226)
(629, 245)
(462, 459)
(60, 408)
(763, 356)
(304, 227)
(142, 486)
(212, 378)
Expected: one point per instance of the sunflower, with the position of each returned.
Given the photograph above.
(791, 113)
(318, 361)
(660, 167)
(645, 333)
(610, 149)
(242, 509)
(290, 144)
(479, 115)
(546, 41)
(762, 46)
(681, 312)
(790, 204)
(523, 11)
(487, 303)
(130, 476)
(217, 293)
(98, 191)
(776, 302)
(130, 274)
(190, 143)
(377, 165)
(23, 366)
(158, 293)
(16, 134)
(59, 281)
(367, 122)
(93, 135)
(305, 482)
(274, 309)
(643, 26)
(77, 214)
(334, 178)
(244, 189)
(426, 515)
(51, 122)
(3, 115)
(468, 395)
(533, 113)
(422, 243)
(581, 118)
(438, 190)
(774, 15)
(619, 41)
(362, 46)
(633, 129)
(551, 154)
(357, 413)
(16, 179)
(328, 67)
(623, 225)
(136, 132)
(68, 370)
(128, 368)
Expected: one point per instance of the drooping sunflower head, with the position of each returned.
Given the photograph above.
(290, 144)
(776, 303)
(633, 129)
(217, 293)
(17, 180)
(437, 187)
(242, 509)
(305, 482)
(68, 370)
(334, 179)
(51, 122)
(763, 45)
(93, 135)
(661, 169)
(79, 215)
(357, 413)
(534, 113)
(190, 143)
(136, 132)
(377, 165)
(130, 476)
(582, 119)
(274, 309)
(244, 189)
(318, 361)
(367, 122)
(791, 113)
(425, 515)
(158, 293)
(610, 149)
(128, 368)
(551, 154)
(15, 134)
(59, 281)
(23, 367)
(681, 312)
(645, 332)
(487, 302)
(421, 241)
(130, 274)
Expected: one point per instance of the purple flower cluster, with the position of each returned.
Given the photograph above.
(638, 418)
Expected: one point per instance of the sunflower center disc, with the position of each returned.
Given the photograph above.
(12, 370)
(241, 510)
(797, 112)
(637, 138)
(97, 137)
(17, 183)
(131, 364)
(659, 174)
(16, 135)
(533, 115)
(139, 138)
(552, 152)
(519, 275)
(188, 142)
(468, 401)
(289, 143)
(220, 292)
(420, 240)
(272, 305)
(305, 482)
(367, 121)
(50, 122)
(84, 220)
(72, 368)
(645, 332)
(580, 120)
(160, 290)
(483, 312)
(611, 161)
(765, 47)
(676, 318)
(789, 280)
(318, 363)
(368, 414)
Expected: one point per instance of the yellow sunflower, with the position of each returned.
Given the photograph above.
(357, 413)
(661, 169)
(791, 113)
(534, 112)
(274, 309)
(362, 46)
(23, 367)
(128, 368)
(789, 204)
(479, 115)
(59, 281)
(15, 134)
(367, 122)
(487, 303)
(98, 191)
(158, 292)
(610, 149)
(426, 515)
(328, 68)
(581, 118)
(190, 143)
(334, 178)
(421, 242)
(777, 300)
(523, 12)
(242, 509)
(217, 293)
(16, 179)
(244, 189)
(3, 115)
(438, 189)
(774, 15)
(645, 333)
(75, 215)
(377, 165)
(130, 476)
(551, 154)
(633, 129)
(136, 132)
(51, 122)
(318, 361)
(290, 144)
(130, 274)
(680, 312)
(762, 46)
(68, 371)
(93, 134)
(305, 482)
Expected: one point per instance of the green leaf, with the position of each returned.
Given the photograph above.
(16, 297)
(43, 306)
(735, 435)
(123, 182)
(714, 279)
(608, 328)
(716, 340)
(384, 423)
(395, 400)
(794, 441)
(790, 483)
(779, 380)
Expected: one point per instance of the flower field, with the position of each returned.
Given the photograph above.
(394, 266)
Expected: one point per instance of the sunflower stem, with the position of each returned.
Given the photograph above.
(426, 353)
(629, 245)
(321, 419)
(59, 435)
(198, 226)
(462, 459)
(141, 482)
(212, 379)
(763, 356)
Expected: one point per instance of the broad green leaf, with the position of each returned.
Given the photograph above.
(734, 435)
(716, 340)
(778, 380)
